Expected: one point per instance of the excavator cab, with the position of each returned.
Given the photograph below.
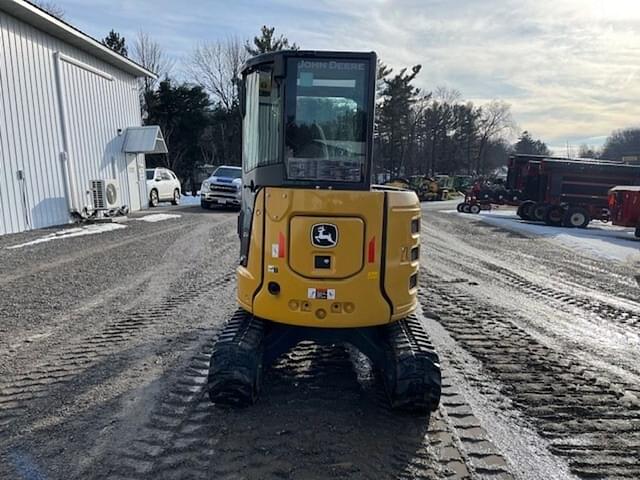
(324, 255)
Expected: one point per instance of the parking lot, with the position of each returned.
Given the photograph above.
(105, 340)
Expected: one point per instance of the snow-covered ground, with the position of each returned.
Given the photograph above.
(72, 232)
(598, 240)
(158, 217)
(189, 200)
(118, 224)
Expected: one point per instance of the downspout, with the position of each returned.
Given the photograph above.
(67, 164)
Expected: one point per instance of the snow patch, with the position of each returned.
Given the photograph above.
(600, 240)
(71, 233)
(158, 217)
(187, 200)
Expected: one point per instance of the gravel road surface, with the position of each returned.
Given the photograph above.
(105, 342)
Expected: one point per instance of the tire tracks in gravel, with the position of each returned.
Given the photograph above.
(477, 268)
(536, 254)
(37, 304)
(586, 419)
(77, 256)
(480, 266)
(27, 392)
(322, 414)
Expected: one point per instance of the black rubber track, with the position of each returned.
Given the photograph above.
(235, 371)
(412, 377)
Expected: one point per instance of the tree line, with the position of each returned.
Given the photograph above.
(416, 132)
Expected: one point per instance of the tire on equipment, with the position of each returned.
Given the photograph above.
(525, 209)
(554, 216)
(539, 211)
(576, 217)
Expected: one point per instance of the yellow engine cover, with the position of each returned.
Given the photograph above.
(340, 259)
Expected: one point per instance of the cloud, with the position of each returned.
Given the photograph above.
(570, 69)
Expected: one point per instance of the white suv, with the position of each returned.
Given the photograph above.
(162, 186)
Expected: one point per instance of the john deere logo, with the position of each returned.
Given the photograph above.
(324, 235)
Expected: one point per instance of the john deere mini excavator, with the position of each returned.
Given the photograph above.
(325, 256)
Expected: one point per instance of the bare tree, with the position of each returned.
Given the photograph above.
(495, 121)
(51, 8)
(148, 53)
(587, 151)
(216, 66)
(447, 95)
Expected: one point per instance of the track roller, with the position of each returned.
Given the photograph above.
(235, 371)
(411, 375)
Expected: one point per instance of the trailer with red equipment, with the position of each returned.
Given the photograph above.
(624, 205)
(523, 175)
(574, 192)
(522, 184)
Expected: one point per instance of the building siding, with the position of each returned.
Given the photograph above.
(31, 138)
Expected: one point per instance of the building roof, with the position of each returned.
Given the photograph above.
(55, 27)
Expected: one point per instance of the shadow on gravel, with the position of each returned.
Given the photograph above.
(197, 209)
(65, 431)
(320, 415)
(314, 419)
(506, 233)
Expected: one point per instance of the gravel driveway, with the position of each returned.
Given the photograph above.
(105, 341)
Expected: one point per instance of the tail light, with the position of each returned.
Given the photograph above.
(372, 250)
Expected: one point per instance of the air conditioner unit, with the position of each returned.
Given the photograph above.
(105, 194)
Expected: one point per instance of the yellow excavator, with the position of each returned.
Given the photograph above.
(324, 255)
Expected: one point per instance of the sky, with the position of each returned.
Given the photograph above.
(570, 69)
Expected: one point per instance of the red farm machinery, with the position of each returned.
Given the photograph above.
(559, 191)
(522, 183)
(624, 205)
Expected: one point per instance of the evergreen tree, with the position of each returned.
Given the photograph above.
(268, 42)
(382, 72)
(182, 113)
(527, 145)
(396, 122)
(115, 42)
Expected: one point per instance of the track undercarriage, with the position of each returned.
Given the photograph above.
(401, 352)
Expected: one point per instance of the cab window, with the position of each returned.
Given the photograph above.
(326, 119)
(262, 120)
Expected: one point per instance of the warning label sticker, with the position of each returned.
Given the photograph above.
(321, 293)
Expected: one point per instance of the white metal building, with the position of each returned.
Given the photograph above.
(69, 114)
